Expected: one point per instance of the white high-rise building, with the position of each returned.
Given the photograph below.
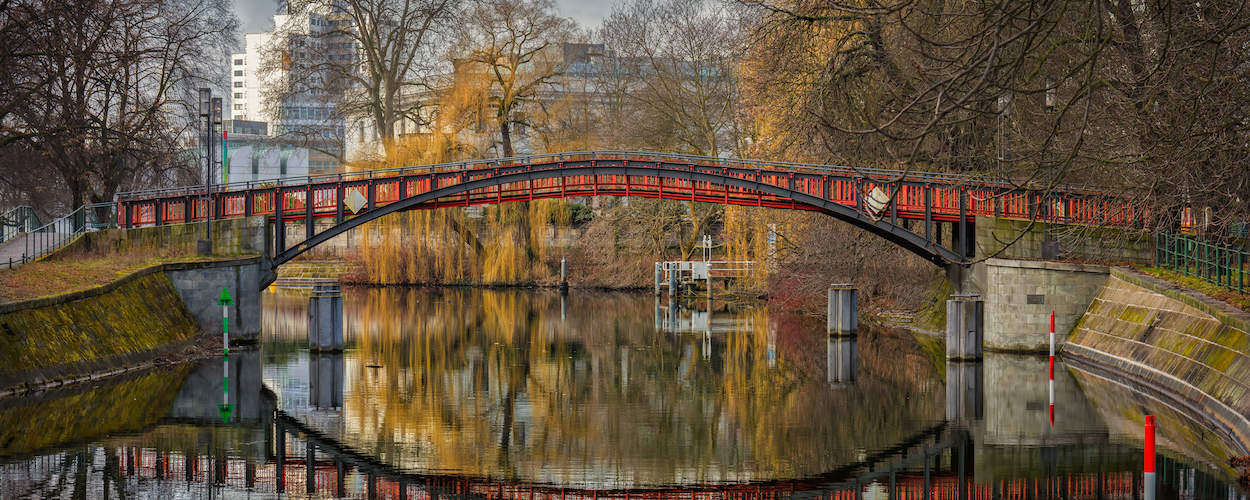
(281, 66)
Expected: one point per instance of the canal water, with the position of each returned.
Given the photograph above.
(472, 393)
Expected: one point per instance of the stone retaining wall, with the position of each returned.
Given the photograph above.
(1153, 334)
(239, 236)
(1021, 239)
(1022, 293)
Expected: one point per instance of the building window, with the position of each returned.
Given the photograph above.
(238, 95)
(238, 72)
(238, 107)
(238, 62)
(238, 85)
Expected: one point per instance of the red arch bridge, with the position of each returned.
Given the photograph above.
(907, 208)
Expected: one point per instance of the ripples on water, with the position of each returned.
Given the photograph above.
(512, 393)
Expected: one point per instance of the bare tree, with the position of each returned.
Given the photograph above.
(114, 80)
(1129, 97)
(674, 65)
(671, 76)
(516, 45)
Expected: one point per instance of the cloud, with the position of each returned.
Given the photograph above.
(255, 16)
(588, 13)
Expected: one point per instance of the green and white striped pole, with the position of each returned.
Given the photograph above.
(225, 408)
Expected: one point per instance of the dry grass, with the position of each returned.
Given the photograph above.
(78, 272)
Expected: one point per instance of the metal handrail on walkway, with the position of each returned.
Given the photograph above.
(61, 231)
(1218, 263)
(18, 220)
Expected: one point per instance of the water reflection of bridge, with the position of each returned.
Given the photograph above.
(264, 451)
(934, 465)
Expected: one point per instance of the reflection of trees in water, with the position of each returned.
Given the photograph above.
(492, 382)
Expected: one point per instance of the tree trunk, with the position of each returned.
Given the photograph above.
(77, 195)
(505, 135)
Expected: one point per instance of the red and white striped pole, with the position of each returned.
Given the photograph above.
(1052, 368)
(1148, 467)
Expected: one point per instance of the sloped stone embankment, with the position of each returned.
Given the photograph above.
(1155, 335)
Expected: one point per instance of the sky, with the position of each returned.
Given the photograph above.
(257, 15)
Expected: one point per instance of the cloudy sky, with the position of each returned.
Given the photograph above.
(257, 15)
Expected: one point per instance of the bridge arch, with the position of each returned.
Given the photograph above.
(880, 226)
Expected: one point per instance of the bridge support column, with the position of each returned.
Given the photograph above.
(325, 319)
(842, 360)
(325, 380)
(965, 391)
(843, 317)
(965, 327)
(279, 228)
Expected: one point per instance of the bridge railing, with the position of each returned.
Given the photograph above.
(1221, 264)
(18, 220)
(637, 156)
(50, 237)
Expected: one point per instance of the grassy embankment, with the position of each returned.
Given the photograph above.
(1239, 300)
(77, 272)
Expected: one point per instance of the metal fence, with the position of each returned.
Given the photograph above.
(49, 237)
(1221, 264)
(16, 221)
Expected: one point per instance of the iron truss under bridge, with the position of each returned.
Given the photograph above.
(907, 208)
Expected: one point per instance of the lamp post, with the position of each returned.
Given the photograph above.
(205, 246)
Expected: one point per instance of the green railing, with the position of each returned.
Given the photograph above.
(1221, 264)
(17, 221)
(48, 238)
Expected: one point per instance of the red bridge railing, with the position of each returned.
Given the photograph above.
(879, 193)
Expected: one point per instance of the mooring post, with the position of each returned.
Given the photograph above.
(672, 278)
(564, 277)
(843, 317)
(1148, 467)
(659, 278)
(965, 327)
(225, 408)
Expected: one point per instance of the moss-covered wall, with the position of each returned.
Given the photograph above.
(1154, 334)
(241, 236)
(1020, 239)
(100, 329)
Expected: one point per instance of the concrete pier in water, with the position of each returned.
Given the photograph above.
(843, 317)
(965, 327)
(325, 319)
